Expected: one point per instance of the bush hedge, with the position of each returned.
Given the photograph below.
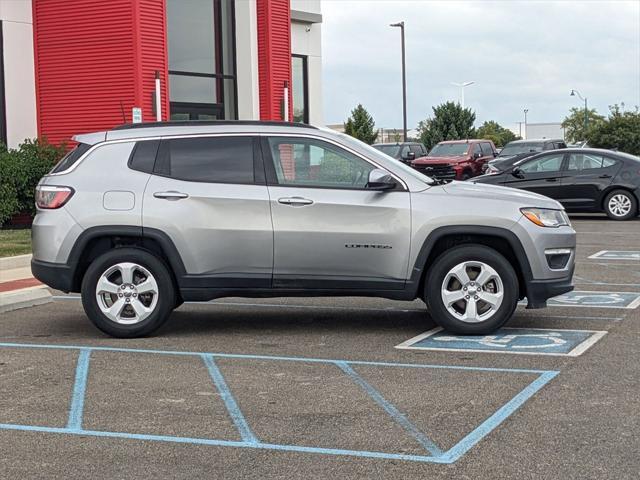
(20, 171)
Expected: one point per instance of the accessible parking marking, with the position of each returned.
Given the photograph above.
(433, 453)
(617, 255)
(522, 341)
(577, 298)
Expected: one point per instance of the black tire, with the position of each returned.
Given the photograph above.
(166, 292)
(633, 212)
(445, 263)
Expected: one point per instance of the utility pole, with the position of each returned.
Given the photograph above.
(526, 110)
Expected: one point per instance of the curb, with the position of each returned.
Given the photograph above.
(19, 261)
(25, 297)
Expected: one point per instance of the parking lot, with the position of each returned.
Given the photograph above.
(344, 388)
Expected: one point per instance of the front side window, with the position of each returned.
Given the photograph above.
(543, 165)
(201, 53)
(314, 163)
(476, 149)
(207, 159)
(486, 149)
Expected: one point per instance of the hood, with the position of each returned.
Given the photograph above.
(433, 160)
(524, 198)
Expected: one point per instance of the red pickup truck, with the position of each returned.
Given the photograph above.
(456, 159)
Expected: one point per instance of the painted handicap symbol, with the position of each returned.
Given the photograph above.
(591, 299)
(527, 340)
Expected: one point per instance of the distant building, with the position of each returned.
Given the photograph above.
(385, 135)
(544, 130)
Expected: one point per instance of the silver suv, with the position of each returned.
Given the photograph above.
(143, 217)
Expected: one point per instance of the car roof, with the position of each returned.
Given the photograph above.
(564, 151)
(395, 143)
(159, 129)
(537, 140)
(470, 140)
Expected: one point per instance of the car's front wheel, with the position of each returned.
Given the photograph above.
(621, 205)
(471, 290)
(128, 292)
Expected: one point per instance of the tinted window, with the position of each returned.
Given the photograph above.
(486, 149)
(70, 158)
(582, 161)
(417, 149)
(391, 150)
(516, 148)
(477, 149)
(143, 156)
(550, 163)
(208, 159)
(313, 163)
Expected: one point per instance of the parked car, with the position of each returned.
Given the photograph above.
(456, 159)
(582, 179)
(257, 209)
(406, 152)
(520, 149)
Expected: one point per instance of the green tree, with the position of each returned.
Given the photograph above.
(495, 132)
(449, 122)
(361, 125)
(620, 131)
(574, 124)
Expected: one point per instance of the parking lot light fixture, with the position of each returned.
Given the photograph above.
(576, 93)
(462, 86)
(404, 79)
(526, 110)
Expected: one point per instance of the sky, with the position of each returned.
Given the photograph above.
(520, 54)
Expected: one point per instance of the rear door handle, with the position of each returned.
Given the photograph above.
(605, 176)
(295, 201)
(171, 195)
(552, 179)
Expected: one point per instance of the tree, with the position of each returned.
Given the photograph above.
(495, 132)
(574, 124)
(361, 125)
(449, 122)
(620, 131)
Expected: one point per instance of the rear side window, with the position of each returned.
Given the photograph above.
(71, 158)
(143, 156)
(207, 159)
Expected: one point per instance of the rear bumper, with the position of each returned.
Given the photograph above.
(539, 291)
(55, 275)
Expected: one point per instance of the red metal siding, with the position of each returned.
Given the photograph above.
(274, 56)
(95, 59)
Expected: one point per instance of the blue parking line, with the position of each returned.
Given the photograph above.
(229, 401)
(398, 416)
(486, 427)
(79, 388)
(271, 357)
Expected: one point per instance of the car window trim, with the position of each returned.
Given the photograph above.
(272, 179)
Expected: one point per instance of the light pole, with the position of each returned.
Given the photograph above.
(462, 85)
(404, 80)
(526, 110)
(586, 112)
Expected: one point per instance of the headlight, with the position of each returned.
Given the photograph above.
(545, 217)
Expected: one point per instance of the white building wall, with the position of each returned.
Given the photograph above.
(247, 60)
(19, 72)
(306, 39)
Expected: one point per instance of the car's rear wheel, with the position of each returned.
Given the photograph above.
(128, 292)
(621, 205)
(471, 290)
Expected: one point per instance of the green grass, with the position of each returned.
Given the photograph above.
(15, 242)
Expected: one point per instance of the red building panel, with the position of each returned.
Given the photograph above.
(274, 56)
(95, 61)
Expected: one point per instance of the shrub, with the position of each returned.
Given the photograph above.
(20, 172)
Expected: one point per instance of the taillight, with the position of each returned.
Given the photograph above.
(50, 197)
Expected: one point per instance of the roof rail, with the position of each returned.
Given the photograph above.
(201, 123)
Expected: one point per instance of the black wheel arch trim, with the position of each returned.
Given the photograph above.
(512, 239)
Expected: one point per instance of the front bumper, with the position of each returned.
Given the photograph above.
(58, 276)
(539, 291)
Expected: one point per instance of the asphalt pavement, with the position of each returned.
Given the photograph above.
(316, 388)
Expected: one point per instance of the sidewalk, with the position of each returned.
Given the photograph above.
(18, 288)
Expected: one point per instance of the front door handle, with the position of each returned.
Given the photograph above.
(295, 201)
(171, 195)
(605, 176)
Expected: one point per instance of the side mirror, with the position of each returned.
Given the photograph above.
(516, 172)
(477, 155)
(380, 180)
(410, 156)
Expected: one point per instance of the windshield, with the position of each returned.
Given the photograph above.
(518, 148)
(449, 150)
(374, 152)
(391, 150)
